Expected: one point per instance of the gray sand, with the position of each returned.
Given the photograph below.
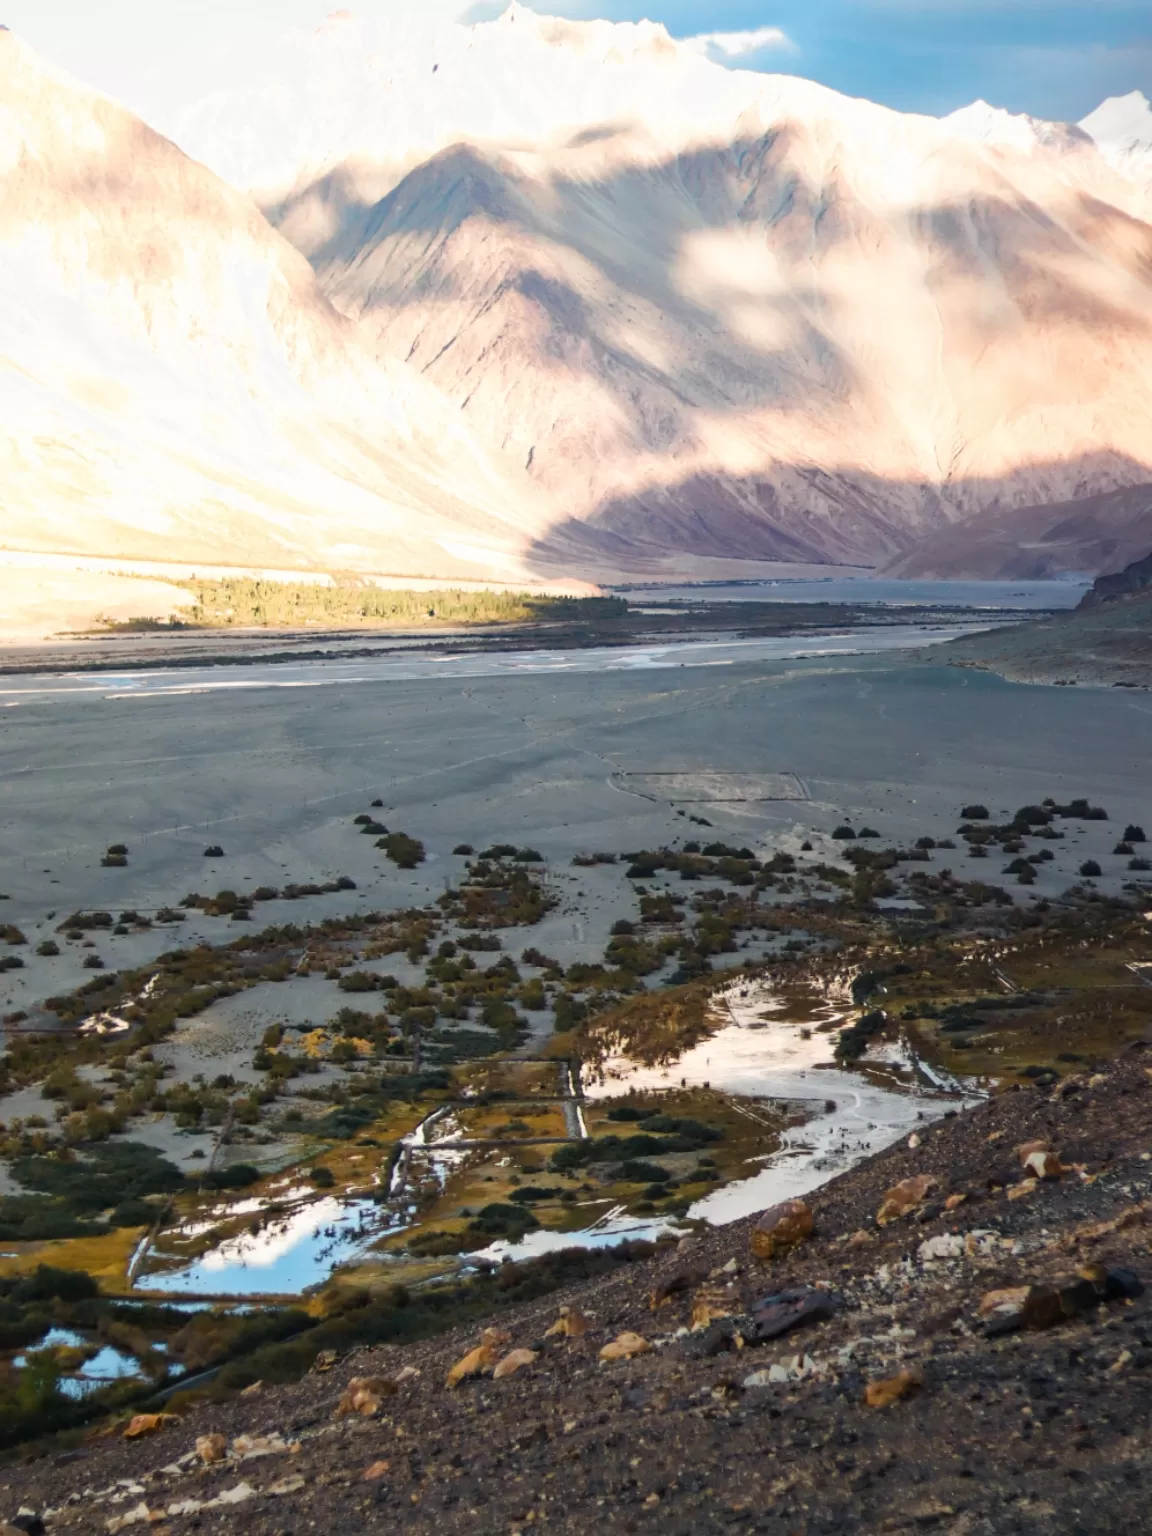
(275, 775)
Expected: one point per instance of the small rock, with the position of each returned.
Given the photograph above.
(624, 1346)
(211, 1448)
(954, 1201)
(913, 1142)
(253, 1389)
(1022, 1190)
(1043, 1164)
(675, 1285)
(325, 1360)
(569, 1325)
(27, 1521)
(513, 1362)
(781, 1228)
(285, 1485)
(479, 1361)
(364, 1395)
(252, 1447)
(711, 1304)
(148, 1424)
(945, 1245)
(882, 1394)
(780, 1314)
(1009, 1300)
(905, 1197)
(376, 1471)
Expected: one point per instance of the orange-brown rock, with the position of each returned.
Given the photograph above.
(882, 1394)
(624, 1347)
(513, 1362)
(148, 1424)
(781, 1228)
(711, 1304)
(905, 1197)
(211, 1448)
(481, 1360)
(569, 1325)
(364, 1395)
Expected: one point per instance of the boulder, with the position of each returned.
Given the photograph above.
(781, 1228)
(905, 1197)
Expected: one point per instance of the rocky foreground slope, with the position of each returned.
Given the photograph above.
(975, 1361)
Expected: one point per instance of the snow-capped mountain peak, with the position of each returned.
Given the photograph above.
(1015, 130)
(1122, 127)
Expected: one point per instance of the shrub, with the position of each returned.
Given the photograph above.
(404, 851)
(974, 813)
(1140, 863)
(925, 842)
(12, 935)
(463, 850)
(214, 851)
(359, 981)
(1123, 848)
(322, 1178)
(844, 834)
(113, 861)
(1090, 869)
(867, 832)
(47, 947)
(93, 963)
(237, 1176)
(622, 926)
(1134, 834)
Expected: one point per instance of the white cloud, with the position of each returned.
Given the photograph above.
(723, 47)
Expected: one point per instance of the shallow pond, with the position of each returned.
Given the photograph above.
(771, 1048)
(299, 1247)
(106, 1366)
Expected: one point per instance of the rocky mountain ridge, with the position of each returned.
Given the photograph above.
(711, 310)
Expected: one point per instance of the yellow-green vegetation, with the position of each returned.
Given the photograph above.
(1045, 998)
(237, 602)
(654, 1028)
(106, 1257)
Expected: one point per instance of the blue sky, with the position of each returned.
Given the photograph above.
(1052, 58)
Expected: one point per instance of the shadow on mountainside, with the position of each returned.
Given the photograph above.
(585, 320)
(752, 518)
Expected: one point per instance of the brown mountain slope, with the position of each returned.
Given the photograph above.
(1033, 543)
(811, 329)
(174, 386)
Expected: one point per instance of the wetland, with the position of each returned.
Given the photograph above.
(332, 1012)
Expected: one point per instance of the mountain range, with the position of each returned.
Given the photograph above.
(537, 297)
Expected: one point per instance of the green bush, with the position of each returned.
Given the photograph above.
(404, 851)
